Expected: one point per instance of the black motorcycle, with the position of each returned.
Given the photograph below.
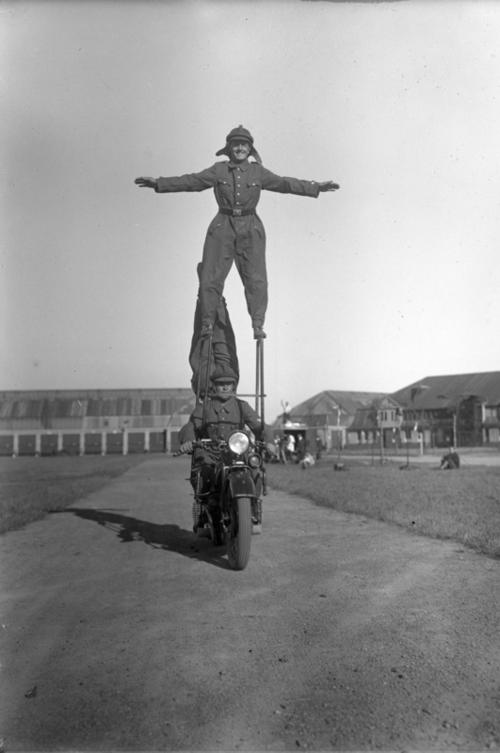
(230, 509)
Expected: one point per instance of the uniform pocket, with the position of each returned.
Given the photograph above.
(214, 226)
(258, 228)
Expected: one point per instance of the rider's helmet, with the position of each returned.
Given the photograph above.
(243, 134)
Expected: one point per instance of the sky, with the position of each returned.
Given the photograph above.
(392, 278)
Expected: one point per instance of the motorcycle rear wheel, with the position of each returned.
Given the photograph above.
(239, 535)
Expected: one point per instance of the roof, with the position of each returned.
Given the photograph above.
(445, 391)
(44, 405)
(366, 418)
(330, 401)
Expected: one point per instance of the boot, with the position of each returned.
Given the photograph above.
(258, 333)
(256, 516)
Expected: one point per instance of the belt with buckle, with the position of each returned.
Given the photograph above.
(237, 212)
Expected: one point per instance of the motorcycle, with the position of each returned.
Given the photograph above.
(231, 509)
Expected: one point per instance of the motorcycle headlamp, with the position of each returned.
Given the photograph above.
(238, 442)
(254, 461)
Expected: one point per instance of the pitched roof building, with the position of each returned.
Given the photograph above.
(458, 409)
(332, 412)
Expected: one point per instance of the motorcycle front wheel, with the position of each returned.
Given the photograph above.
(239, 535)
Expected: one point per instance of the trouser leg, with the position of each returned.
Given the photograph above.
(196, 510)
(218, 256)
(250, 261)
(202, 478)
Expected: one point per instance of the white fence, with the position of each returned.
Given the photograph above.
(67, 442)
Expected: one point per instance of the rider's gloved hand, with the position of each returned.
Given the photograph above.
(186, 446)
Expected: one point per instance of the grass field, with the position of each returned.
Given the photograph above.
(462, 505)
(31, 487)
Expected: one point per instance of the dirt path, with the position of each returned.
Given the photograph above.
(121, 632)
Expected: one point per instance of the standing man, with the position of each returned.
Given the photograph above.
(236, 233)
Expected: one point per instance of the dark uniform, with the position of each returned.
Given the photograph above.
(236, 233)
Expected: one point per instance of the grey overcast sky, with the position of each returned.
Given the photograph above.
(394, 277)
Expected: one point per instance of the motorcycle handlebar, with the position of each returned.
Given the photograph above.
(217, 444)
(197, 443)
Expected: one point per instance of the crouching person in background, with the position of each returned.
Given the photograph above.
(307, 461)
(450, 461)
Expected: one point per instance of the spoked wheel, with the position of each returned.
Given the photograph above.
(239, 535)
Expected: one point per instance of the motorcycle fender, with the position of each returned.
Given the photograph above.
(241, 484)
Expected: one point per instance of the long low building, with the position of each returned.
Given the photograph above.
(50, 422)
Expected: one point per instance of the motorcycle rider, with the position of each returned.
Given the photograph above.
(224, 414)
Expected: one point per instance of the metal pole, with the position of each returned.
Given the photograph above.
(257, 374)
(261, 361)
(259, 380)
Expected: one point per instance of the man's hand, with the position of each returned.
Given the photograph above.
(186, 447)
(145, 182)
(328, 185)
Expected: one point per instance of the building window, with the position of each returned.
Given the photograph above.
(146, 408)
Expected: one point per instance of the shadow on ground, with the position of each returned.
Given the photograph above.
(167, 536)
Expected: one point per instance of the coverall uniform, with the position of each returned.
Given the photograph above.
(224, 355)
(236, 233)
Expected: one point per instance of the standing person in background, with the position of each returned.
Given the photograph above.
(236, 233)
(301, 446)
